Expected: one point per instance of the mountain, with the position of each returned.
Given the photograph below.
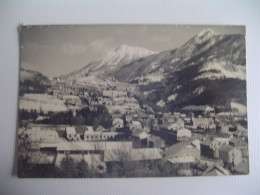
(33, 76)
(32, 82)
(223, 53)
(111, 61)
(210, 68)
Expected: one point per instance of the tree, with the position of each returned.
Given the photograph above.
(82, 169)
(68, 167)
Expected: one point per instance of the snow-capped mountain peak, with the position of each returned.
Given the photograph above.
(205, 35)
(123, 54)
(112, 60)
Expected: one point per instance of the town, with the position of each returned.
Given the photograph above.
(110, 132)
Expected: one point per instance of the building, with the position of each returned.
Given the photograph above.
(239, 144)
(178, 123)
(210, 146)
(100, 128)
(80, 130)
(202, 123)
(216, 170)
(92, 147)
(196, 144)
(180, 156)
(114, 93)
(223, 128)
(242, 168)
(203, 110)
(71, 134)
(91, 136)
(128, 118)
(135, 126)
(224, 116)
(230, 155)
(155, 142)
(182, 134)
(118, 123)
(91, 152)
(140, 139)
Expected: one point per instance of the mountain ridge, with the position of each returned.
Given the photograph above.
(206, 63)
(112, 60)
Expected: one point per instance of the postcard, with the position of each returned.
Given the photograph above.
(112, 101)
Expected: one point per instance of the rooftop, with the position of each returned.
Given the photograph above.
(154, 138)
(133, 154)
(226, 148)
(175, 148)
(242, 168)
(206, 142)
(216, 170)
(197, 108)
(70, 130)
(182, 159)
(92, 146)
(80, 129)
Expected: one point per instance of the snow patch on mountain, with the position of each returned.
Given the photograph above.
(198, 90)
(239, 107)
(146, 93)
(160, 103)
(222, 69)
(172, 98)
(90, 80)
(175, 60)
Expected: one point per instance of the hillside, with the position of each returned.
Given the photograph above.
(208, 69)
(110, 62)
(226, 52)
(33, 82)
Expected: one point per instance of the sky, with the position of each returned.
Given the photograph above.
(60, 49)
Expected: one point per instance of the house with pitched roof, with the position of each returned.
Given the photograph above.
(180, 156)
(230, 155)
(91, 136)
(240, 144)
(209, 147)
(177, 123)
(140, 139)
(71, 134)
(216, 170)
(242, 168)
(202, 123)
(118, 123)
(182, 134)
(155, 142)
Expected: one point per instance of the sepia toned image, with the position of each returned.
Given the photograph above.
(109, 101)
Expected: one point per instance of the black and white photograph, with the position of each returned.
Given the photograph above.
(116, 101)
